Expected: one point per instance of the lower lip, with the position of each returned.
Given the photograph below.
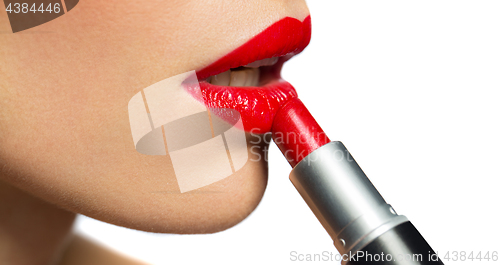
(274, 108)
(256, 105)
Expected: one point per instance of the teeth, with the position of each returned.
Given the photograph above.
(241, 77)
(238, 78)
(263, 62)
(253, 77)
(245, 77)
(221, 79)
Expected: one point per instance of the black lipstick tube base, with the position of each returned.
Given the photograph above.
(402, 245)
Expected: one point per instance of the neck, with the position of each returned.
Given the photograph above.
(32, 231)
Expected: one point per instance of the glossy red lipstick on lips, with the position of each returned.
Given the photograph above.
(258, 104)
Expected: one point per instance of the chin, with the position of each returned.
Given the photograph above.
(210, 209)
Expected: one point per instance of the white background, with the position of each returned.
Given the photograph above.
(411, 88)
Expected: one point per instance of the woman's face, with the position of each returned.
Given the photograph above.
(65, 86)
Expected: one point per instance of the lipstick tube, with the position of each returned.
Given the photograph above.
(364, 228)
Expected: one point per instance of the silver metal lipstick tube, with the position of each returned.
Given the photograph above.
(343, 199)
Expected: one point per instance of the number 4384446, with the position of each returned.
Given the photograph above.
(466, 255)
(25, 8)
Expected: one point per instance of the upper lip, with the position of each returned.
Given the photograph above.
(285, 37)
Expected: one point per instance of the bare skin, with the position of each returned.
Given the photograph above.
(65, 143)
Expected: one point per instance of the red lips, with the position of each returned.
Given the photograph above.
(258, 105)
